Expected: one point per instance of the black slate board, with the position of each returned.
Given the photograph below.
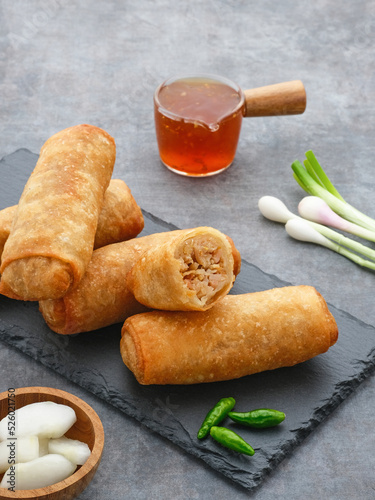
(307, 393)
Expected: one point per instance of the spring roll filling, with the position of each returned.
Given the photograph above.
(203, 267)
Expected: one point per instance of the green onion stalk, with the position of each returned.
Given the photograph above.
(305, 230)
(312, 178)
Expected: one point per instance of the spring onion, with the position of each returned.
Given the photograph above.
(274, 209)
(315, 209)
(312, 178)
(303, 231)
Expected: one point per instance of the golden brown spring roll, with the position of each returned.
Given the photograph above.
(120, 218)
(6, 219)
(52, 236)
(189, 272)
(103, 298)
(241, 335)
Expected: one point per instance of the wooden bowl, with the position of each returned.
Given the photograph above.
(88, 428)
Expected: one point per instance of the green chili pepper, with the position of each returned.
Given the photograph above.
(216, 415)
(258, 419)
(231, 440)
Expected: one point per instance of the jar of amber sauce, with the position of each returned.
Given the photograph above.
(198, 122)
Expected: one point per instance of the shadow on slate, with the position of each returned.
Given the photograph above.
(307, 393)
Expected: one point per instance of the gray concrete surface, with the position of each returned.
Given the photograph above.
(64, 63)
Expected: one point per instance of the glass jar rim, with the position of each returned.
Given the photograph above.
(208, 76)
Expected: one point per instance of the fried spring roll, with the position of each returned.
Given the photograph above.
(52, 236)
(189, 272)
(6, 219)
(240, 335)
(120, 218)
(103, 298)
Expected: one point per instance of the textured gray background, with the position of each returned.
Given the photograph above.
(64, 63)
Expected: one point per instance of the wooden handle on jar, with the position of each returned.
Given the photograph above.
(288, 98)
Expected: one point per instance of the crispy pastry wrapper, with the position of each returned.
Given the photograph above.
(189, 272)
(52, 235)
(241, 335)
(120, 219)
(6, 219)
(103, 297)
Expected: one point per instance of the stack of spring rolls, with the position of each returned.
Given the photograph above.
(72, 244)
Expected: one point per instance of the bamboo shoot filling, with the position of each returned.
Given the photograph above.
(203, 267)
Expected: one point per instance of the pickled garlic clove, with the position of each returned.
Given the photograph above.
(18, 450)
(72, 449)
(45, 420)
(41, 472)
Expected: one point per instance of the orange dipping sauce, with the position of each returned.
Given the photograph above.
(198, 121)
